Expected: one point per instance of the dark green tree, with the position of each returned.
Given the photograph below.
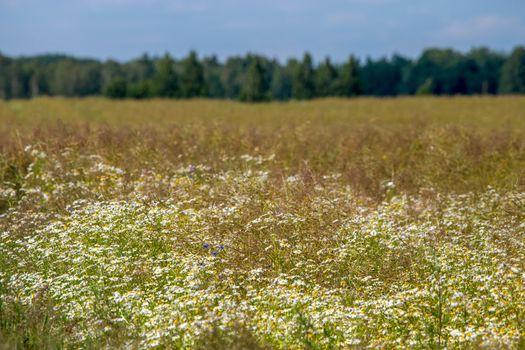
(140, 90)
(37, 81)
(254, 87)
(303, 87)
(19, 81)
(232, 77)
(140, 69)
(513, 72)
(5, 63)
(384, 77)
(485, 79)
(89, 79)
(325, 79)
(281, 84)
(443, 66)
(437, 71)
(426, 88)
(77, 78)
(349, 82)
(165, 81)
(63, 81)
(192, 77)
(116, 88)
(212, 76)
(111, 70)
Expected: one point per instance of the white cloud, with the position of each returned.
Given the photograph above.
(480, 26)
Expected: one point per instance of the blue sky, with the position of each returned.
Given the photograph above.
(124, 29)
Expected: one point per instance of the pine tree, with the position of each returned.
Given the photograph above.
(192, 79)
(281, 84)
(212, 70)
(165, 81)
(513, 72)
(349, 83)
(116, 88)
(254, 87)
(303, 83)
(140, 90)
(325, 79)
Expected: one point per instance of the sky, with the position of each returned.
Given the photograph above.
(124, 29)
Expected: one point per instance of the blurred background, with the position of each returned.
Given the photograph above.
(257, 51)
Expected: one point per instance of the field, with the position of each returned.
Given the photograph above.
(381, 223)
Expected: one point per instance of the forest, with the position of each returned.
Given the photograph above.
(254, 78)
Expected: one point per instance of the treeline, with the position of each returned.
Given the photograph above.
(257, 78)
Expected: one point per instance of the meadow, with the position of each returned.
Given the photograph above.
(202, 224)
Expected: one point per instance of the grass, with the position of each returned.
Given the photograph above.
(214, 224)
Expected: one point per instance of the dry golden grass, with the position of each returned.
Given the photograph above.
(451, 144)
(484, 112)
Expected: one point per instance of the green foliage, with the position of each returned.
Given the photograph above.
(140, 69)
(116, 88)
(441, 66)
(426, 88)
(385, 77)
(349, 83)
(303, 87)
(140, 90)
(513, 72)
(232, 76)
(192, 78)
(70, 79)
(281, 84)
(165, 81)
(326, 79)
(453, 73)
(212, 77)
(254, 87)
(486, 74)
(112, 71)
(4, 72)
(18, 81)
